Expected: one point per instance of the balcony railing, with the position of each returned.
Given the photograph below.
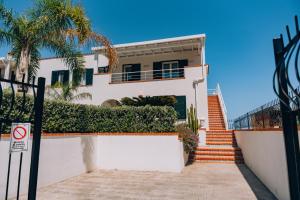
(151, 75)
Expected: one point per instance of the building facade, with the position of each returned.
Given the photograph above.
(173, 66)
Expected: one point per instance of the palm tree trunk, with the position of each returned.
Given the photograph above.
(22, 69)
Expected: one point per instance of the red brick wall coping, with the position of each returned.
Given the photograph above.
(261, 129)
(102, 134)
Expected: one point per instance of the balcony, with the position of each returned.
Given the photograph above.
(152, 75)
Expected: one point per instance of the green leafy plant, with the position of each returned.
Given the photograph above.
(63, 117)
(56, 25)
(193, 121)
(149, 100)
(189, 138)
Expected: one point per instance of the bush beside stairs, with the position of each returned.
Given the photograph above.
(221, 145)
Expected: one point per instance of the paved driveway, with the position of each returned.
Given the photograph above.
(197, 181)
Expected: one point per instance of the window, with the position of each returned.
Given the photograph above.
(170, 69)
(89, 73)
(131, 72)
(103, 70)
(60, 76)
(87, 77)
(180, 107)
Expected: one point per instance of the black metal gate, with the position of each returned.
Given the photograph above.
(287, 89)
(14, 95)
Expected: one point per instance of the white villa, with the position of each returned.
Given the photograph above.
(173, 66)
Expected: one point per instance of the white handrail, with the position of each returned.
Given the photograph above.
(147, 75)
(223, 106)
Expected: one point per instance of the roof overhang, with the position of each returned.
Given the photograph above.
(169, 45)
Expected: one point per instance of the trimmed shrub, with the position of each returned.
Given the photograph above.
(62, 117)
(149, 100)
(111, 103)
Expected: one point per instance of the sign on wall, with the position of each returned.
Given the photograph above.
(19, 136)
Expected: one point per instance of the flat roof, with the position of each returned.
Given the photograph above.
(149, 42)
(175, 44)
(153, 46)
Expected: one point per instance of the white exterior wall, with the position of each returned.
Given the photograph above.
(147, 153)
(65, 157)
(102, 89)
(264, 154)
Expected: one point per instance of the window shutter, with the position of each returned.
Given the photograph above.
(89, 73)
(136, 68)
(180, 107)
(157, 70)
(182, 64)
(54, 77)
(65, 76)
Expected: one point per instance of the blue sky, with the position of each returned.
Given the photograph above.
(239, 36)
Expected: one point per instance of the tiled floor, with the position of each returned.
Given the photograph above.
(197, 181)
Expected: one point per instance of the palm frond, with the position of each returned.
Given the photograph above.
(72, 58)
(81, 96)
(95, 39)
(6, 15)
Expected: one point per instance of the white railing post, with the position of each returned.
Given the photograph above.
(223, 106)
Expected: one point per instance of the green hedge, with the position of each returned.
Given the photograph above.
(62, 117)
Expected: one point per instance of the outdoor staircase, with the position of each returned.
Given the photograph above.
(215, 115)
(221, 145)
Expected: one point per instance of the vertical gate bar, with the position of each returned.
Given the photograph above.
(19, 177)
(248, 121)
(263, 117)
(36, 140)
(288, 121)
(8, 174)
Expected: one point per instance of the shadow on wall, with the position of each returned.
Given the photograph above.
(89, 152)
(258, 188)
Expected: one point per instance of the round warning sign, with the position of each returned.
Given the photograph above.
(19, 137)
(19, 133)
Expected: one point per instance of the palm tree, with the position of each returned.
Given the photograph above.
(66, 92)
(55, 25)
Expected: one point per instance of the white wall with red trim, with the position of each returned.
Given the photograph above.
(63, 157)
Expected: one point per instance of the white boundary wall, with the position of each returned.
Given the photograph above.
(264, 154)
(66, 157)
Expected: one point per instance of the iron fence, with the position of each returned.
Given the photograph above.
(13, 97)
(263, 117)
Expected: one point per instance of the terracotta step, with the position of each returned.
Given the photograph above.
(220, 161)
(218, 149)
(220, 127)
(219, 153)
(208, 139)
(217, 122)
(216, 128)
(232, 143)
(220, 131)
(219, 158)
